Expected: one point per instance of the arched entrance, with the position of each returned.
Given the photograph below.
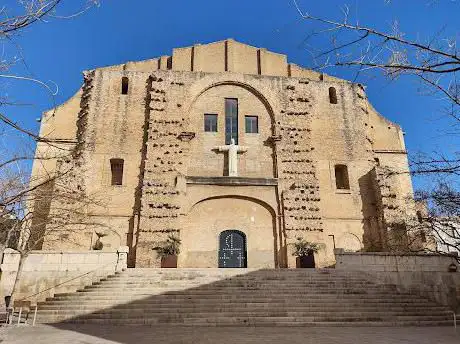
(210, 218)
(232, 249)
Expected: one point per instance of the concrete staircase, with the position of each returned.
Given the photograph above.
(227, 297)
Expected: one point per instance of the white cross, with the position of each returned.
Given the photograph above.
(233, 151)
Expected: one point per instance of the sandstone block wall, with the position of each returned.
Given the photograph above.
(383, 261)
(48, 272)
(157, 129)
(424, 274)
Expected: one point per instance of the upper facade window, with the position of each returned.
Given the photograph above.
(231, 120)
(116, 167)
(124, 85)
(341, 177)
(252, 124)
(332, 95)
(210, 123)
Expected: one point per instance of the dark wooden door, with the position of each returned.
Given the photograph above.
(232, 249)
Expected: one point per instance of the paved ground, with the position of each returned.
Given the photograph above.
(93, 334)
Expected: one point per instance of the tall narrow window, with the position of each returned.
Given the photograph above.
(210, 123)
(116, 166)
(124, 85)
(252, 124)
(341, 177)
(332, 95)
(231, 120)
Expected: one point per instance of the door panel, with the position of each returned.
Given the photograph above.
(232, 249)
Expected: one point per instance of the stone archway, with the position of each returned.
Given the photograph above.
(268, 97)
(350, 242)
(208, 218)
(259, 159)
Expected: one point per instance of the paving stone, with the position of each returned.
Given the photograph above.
(96, 334)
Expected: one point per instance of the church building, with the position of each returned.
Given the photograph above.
(231, 149)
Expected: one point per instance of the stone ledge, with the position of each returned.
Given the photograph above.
(42, 252)
(232, 181)
(402, 254)
(390, 151)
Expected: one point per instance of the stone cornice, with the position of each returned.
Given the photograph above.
(390, 151)
(232, 181)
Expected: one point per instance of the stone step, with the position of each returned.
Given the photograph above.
(268, 277)
(231, 305)
(179, 284)
(265, 323)
(140, 312)
(252, 301)
(212, 288)
(234, 282)
(239, 282)
(235, 297)
(255, 321)
(243, 297)
(302, 293)
(249, 315)
(292, 289)
(238, 307)
(243, 271)
(167, 307)
(249, 276)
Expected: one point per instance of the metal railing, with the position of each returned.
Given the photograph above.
(25, 304)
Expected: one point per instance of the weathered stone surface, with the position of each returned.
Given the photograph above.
(48, 272)
(424, 274)
(157, 129)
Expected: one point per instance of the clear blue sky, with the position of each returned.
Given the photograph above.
(120, 31)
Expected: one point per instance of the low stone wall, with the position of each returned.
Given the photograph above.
(423, 274)
(48, 272)
(383, 261)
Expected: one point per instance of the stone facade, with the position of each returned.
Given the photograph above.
(174, 180)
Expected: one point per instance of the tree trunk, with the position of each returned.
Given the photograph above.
(18, 276)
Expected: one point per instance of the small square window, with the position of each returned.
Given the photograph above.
(252, 124)
(210, 123)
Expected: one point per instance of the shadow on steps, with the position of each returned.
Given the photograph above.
(241, 297)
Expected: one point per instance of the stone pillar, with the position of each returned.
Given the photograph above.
(122, 262)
